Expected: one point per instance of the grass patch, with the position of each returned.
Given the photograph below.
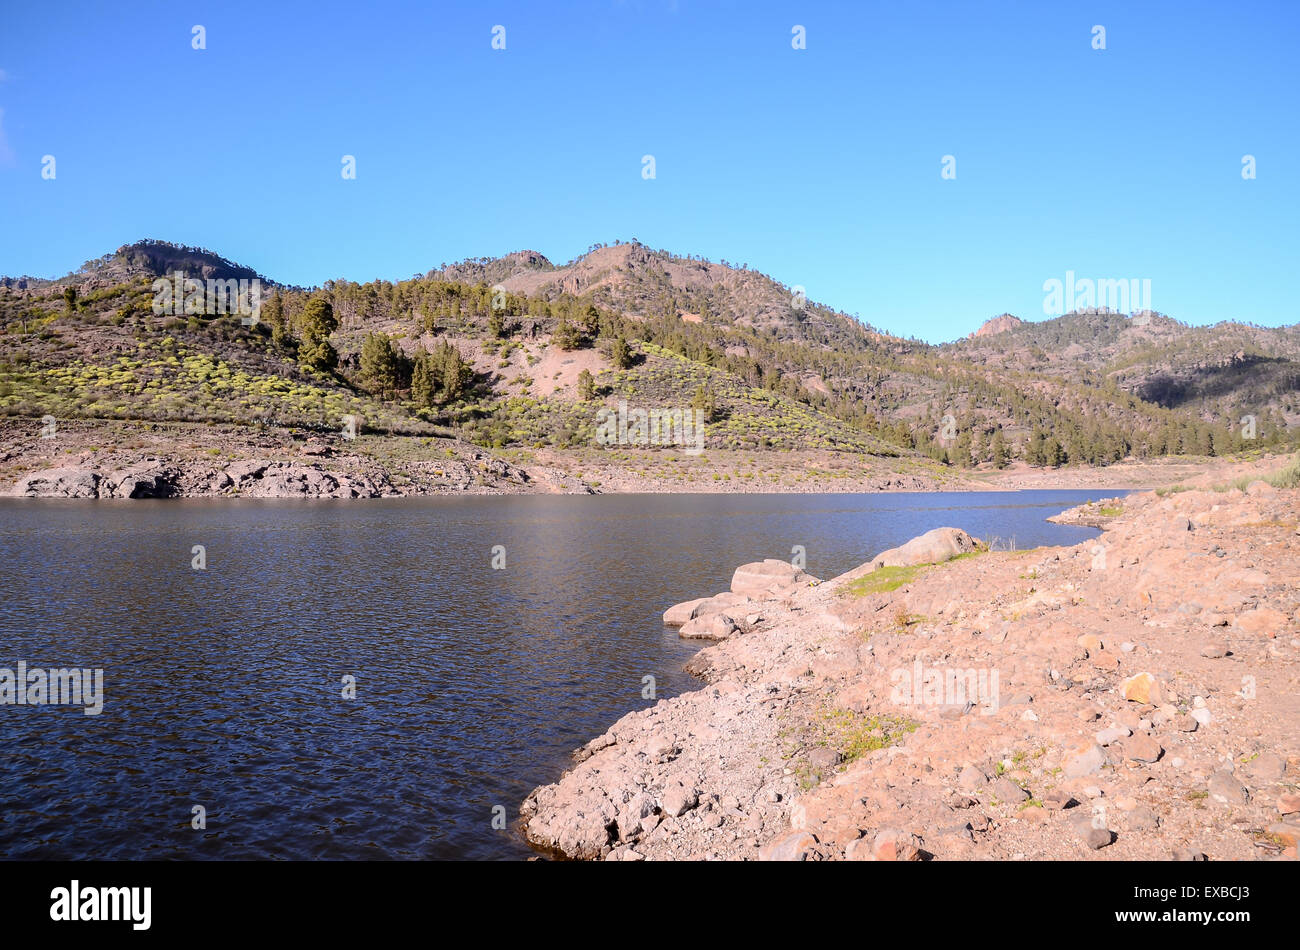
(1286, 477)
(853, 735)
(884, 579)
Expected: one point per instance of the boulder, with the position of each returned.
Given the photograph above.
(765, 578)
(941, 544)
(681, 614)
(67, 482)
(718, 626)
(678, 614)
(147, 480)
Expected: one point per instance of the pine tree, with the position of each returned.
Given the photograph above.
(317, 321)
(621, 354)
(705, 400)
(566, 336)
(998, 450)
(422, 382)
(381, 364)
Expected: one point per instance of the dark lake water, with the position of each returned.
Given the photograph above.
(223, 687)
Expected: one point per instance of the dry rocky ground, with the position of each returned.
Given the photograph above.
(1136, 696)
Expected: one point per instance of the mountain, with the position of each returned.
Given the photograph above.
(518, 351)
(999, 324)
(1216, 373)
(149, 258)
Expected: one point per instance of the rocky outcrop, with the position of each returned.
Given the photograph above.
(65, 482)
(328, 474)
(1129, 697)
(731, 612)
(933, 547)
(998, 324)
(767, 578)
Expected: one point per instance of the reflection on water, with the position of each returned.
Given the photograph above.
(223, 688)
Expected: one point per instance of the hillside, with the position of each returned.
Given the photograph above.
(1215, 374)
(518, 354)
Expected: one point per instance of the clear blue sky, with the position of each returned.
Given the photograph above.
(820, 167)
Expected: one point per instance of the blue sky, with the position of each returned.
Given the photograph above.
(819, 166)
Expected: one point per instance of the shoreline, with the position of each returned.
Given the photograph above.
(1122, 728)
(178, 460)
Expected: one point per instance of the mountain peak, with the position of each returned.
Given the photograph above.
(999, 324)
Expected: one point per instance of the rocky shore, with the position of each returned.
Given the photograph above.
(1136, 696)
(144, 460)
(133, 459)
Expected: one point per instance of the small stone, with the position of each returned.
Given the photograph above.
(1214, 650)
(1143, 819)
(894, 844)
(859, 850)
(1188, 854)
(1104, 661)
(823, 759)
(1090, 642)
(1286, 832)
(1166, 713)
(1006, 790)
(1028, 716)
(1186, 723)
(793, 847)
(1266, 768)
(677, 800)
(1288, 803)
(1224, 787)
(1087, 760)
(1094, 838)
(1127, 646)
(1058, 799)
(1202, 716)
(1113, 734)
(1142, 688)
(1142, 748)
(971, 779)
